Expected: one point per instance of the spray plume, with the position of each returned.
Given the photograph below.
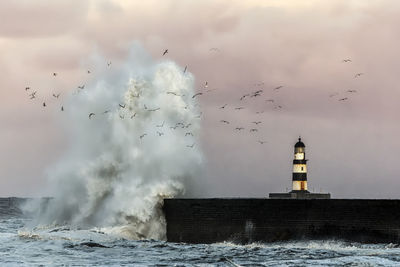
(130, 155)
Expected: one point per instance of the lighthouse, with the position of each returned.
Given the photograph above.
(299, 178)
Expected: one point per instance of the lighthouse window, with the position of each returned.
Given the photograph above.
(302, 168)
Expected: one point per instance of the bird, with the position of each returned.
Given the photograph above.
(224, 121)
(184, 71)
(56, 95)
(196, 95)
(81, 87)
(154, 109)
(358, 75)
(134, 115)
(346, 60)
(351, 91)
(106, 111)
(186, 134)
(259, 112)
(122, 117)
(161, 125)
(343, 99)
(44, 104)
(54, 74)
(256, 122)
(253, 130)
(144, 105)
(334, 94)
(270, 100)
(239, 108)
(191, 146)
(122, 106)
(224, 106)
(278, 107)
(187, 125)
(239, 128)
(62, 108)
(262, 142)
(206, 84)
(27, 88)
(173, 127)
(166, 51)
(160, 133)
(109, 63)
(173, 93)
(278, 87)
(33, 95)
(88, 71)
(244, 96)
(143, 135)
(91, 114)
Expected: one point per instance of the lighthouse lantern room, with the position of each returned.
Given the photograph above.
(299, 179)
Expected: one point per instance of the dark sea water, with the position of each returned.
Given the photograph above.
(53, 246)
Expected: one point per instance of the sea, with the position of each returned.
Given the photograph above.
(62, 246)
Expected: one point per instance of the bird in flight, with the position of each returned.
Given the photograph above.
(346, 60)
(343, 99)
(122, 117)
(134, 115)
(109, 63)
(184, 71)
(239, 128)
(351, 91)
(278, 87)
(122, 106)
(253, 130)
(206, 84)
(334, 94)
(44, 104)
(91, 114)
(196, 95)
(143, 135)
(224, 106)
(244, 96)
(262, 142)
(191, 146)
(27, 88)
(224, 121)
(256, 122)
(239, 108)
(88, 71)
(166, 51)
(56, 95)
(189, 133)
(358, 75)
(160, 133)
(173, 93)
(154, 109)
(33, 95)
(161, 125)
(62, 108)
(270, 100)
(54, 74)
(81, 87)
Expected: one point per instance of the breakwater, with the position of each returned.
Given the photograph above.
(268, 220)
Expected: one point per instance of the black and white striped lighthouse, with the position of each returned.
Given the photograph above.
(299, 180)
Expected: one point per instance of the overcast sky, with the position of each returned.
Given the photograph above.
(238, 47)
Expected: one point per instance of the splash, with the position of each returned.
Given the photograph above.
(139, 145)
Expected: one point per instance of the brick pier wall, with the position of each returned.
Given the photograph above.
(268, 220)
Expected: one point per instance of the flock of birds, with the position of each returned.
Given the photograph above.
(257, 92)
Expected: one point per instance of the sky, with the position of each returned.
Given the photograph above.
(237, 47)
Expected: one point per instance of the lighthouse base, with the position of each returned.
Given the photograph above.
(300, 194)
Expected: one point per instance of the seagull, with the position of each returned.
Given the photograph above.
(56, 95)
(91, 114)
(161, 125)
(343, 99)
(186, 134)
(334, 94)
(105, 112)
(351, 91)
(239, 108)
(173, 93)
(88, 71)
(122, 106)
(184, 71)
(253, 130)
(279, 87)
(206, 84)
(224, 106)
(166, 51)
(122, 117)
(244, 96)
(278, 107)
(62, 108)
(358, 75)
(174, 127)
(134, 115)
(33, 95)
(270, 100)
(160, 133)
(191, 146)
(262, 142)
(224, 121)
(143, 135)
(144, 105)
(109, 63)
(54, 74)
(239, 128)
(188, 125)
(259, 112)
(196, 95)
(346, 60)
(81, 87)
(155, 109)
(44, 104)
(256, 122)
(27, 88)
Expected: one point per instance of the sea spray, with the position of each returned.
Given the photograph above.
(140, 145)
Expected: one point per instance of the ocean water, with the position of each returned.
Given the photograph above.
(54, 246)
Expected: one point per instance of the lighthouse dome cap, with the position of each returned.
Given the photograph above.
(299, 143)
